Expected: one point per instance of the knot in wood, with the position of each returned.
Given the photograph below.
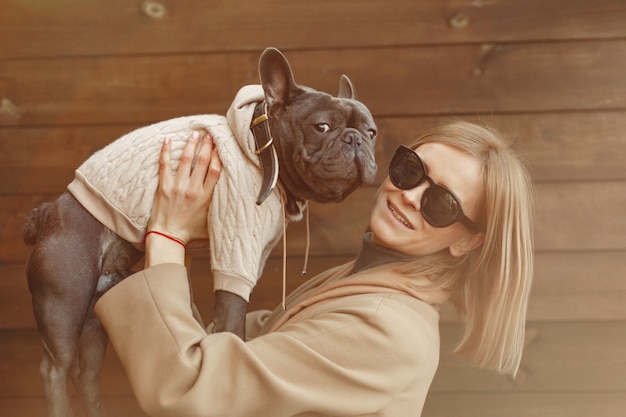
(459, 21)
(153, 9)
(9, 109)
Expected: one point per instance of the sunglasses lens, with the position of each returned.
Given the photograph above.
(439, 207)
(406, 170)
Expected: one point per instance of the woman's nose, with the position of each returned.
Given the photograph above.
(413, 197)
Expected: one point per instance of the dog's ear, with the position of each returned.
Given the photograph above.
(346, 89)
(276, 78)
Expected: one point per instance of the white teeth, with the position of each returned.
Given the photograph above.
(400, 218)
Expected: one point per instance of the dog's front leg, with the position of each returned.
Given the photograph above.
(230, 313)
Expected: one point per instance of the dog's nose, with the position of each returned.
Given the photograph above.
(353, 137)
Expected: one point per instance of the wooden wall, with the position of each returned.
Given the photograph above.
(552, 74)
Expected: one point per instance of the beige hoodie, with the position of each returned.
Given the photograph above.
(117, 186)
(363, 344)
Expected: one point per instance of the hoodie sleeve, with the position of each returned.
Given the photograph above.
(241, 232)
(345, 361)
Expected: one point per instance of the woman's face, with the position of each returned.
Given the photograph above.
(397, 222)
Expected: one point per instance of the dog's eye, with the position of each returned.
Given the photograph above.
(372, 133)
(322, 127)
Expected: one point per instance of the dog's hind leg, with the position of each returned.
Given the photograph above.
(117, 260)
(60, 320)
(62, 272)
(90, 358)
(55, 376)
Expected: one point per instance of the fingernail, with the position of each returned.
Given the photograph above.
(195, 134)
(166, 140)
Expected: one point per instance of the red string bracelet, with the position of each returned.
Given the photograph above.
(172, 238)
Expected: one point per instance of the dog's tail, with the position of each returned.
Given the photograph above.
(32, 226)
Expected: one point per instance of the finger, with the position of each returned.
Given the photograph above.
(203, 160)
(165, 168)
(215, 169)
(186, 158)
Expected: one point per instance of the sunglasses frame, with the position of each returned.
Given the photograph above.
(403, 152)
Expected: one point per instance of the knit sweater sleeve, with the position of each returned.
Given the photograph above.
(241, 233)
(117, 185)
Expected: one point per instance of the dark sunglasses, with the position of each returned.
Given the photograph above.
(438, 206)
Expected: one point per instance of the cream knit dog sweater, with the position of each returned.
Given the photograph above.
(118, 183)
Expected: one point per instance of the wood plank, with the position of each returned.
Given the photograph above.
(20, 353)
(458, 79)
(571, 222)
(560, 357)
(569, 216)
(553, 404)
(13, 212)
(39, 93)
(556, 146)
(562, 289)
(43, 160)
(37, 28)
(15, 302)
(579, 286)
(119, 406)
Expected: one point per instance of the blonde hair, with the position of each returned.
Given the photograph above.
(489, 286)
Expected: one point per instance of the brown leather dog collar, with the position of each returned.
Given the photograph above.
(264, 144)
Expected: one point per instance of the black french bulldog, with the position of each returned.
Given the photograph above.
(286, 142)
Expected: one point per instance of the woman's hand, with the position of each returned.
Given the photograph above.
(182, 200)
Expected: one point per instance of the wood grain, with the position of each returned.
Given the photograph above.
(553, 404)
(115, 27)
(593, 220)
(436, 80)
(556, 146)
(562, 289)
(559, 357)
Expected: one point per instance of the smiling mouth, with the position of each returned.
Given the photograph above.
(399, 217)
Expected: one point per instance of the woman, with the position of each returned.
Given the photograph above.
(452, 222)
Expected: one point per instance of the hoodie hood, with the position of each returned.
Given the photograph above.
(239, 117)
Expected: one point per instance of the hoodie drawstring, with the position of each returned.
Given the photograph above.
(308, 240)
(283, 303)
